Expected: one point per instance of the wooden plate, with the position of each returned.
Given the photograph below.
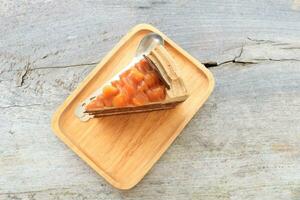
(123, 148)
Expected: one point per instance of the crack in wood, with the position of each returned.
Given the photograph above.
(51, 67)
(260, 40)
(64, 66)
(22, 74)
(279, 60)
(49, 54)
(274, 43)
(210, 64)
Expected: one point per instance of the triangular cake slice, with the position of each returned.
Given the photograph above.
(150, 84)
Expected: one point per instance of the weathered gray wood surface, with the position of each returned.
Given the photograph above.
(243, 144)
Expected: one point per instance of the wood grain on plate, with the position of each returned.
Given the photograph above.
(123, 148)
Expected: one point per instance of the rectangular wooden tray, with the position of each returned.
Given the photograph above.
(123, 148)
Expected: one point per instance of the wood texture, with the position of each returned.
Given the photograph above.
(243, 144)
(123, 148)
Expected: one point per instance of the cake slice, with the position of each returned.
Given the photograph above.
(150, 84)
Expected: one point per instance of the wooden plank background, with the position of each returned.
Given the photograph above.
(243, 144)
